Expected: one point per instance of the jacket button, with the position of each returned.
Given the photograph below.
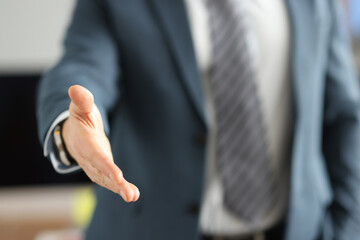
(193, 209)
(201, 139)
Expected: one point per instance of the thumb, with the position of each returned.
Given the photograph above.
(82, 100)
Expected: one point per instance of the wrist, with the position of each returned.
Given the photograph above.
(63, 153)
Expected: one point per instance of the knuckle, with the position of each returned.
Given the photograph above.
(120, 173)
(120, 177)
(104, 158)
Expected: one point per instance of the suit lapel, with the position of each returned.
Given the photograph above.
(173, 20)
(309, 25)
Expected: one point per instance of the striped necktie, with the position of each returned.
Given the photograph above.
(241, 147)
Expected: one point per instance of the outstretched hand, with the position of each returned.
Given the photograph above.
(85, 140)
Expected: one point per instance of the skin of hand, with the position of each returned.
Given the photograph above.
(85, 140)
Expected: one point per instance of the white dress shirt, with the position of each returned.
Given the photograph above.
(272, 44)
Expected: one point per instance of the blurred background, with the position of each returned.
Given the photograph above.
(35, 202)
(34, 199)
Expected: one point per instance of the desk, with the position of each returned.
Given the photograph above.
(27, 211)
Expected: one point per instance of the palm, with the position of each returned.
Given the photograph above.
(85, 139)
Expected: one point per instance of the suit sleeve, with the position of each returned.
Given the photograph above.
(90, 59)
(342, 131)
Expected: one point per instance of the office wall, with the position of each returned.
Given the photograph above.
(31, 32)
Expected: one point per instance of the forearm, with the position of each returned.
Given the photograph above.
(90, 59)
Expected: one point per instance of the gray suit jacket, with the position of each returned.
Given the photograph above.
(137, 58)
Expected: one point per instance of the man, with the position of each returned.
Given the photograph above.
(199, 107)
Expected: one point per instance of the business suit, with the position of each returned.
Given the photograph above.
(137, 58)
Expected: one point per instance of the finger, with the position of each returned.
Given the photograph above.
(137, 193)
(116, 183)
(115, 175)
(125, 189)
(82, 99)
(101, 178)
